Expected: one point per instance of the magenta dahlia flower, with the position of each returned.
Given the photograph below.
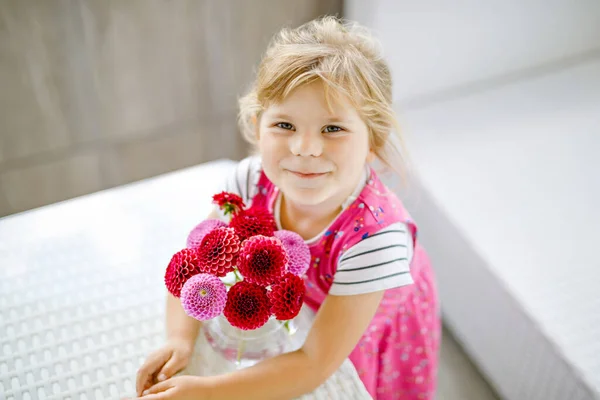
(297, 251)
(203, 296)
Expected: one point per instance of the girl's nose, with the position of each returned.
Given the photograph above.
(305, 144)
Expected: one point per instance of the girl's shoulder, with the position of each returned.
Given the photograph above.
(243, 178)
(379, 261)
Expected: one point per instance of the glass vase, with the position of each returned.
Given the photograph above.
(244, 348)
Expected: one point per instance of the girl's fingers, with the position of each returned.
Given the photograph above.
(160, 387)
(169, 369)
(156, 396)
(153, 364)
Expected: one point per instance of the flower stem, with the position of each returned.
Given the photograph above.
(240, 350)
(286, 324)
(237, 277)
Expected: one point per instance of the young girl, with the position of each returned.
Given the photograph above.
(319, 113)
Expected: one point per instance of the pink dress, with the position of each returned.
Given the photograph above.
(397, 356)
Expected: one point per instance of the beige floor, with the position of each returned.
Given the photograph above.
(458, 378)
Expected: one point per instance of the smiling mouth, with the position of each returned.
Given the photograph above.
(308, 176)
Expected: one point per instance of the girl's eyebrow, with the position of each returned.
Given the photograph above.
(281, 116)
(335, 119)
(330, 119)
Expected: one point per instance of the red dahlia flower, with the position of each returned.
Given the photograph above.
(262, 260)
(229, 202)
(183, 265)
(218, 252)
(248, 306)
(252, 222)
(197, 234)
(287, 297)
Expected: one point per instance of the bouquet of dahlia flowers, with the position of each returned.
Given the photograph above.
(265, 267)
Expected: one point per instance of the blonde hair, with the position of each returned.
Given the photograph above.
(348, 60)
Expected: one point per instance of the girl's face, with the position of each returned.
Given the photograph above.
(313, 156)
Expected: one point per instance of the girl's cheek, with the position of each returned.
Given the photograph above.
(272, 146)
(269, 154)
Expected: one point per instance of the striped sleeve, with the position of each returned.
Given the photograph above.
(243, 180)
(378, 262)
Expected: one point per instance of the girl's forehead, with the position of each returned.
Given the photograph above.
(313, 98)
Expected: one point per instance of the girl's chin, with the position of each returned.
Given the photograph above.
(306, 197)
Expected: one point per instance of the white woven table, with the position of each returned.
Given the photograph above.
(82, 296)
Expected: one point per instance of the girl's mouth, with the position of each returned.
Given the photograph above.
(308, 175)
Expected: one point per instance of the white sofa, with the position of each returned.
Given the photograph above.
(508, 209)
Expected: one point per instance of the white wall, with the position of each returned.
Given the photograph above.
(436, 46)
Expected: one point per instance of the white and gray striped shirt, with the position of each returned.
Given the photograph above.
(378, 262)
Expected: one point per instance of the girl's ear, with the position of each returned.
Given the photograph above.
(371, 156)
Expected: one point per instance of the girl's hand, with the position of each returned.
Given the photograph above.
(178, 388)
(164, 363)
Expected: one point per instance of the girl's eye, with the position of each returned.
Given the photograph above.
(284, 125)
(332, 129)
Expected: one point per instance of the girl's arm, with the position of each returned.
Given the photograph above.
(178, 323)
(338, 326)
